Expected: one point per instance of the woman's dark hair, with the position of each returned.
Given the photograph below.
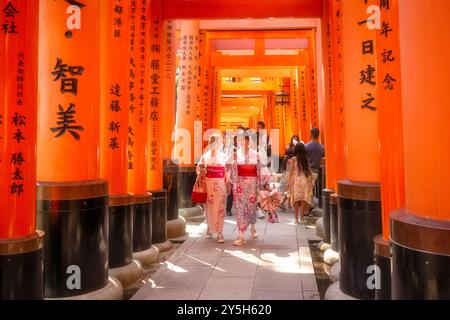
(261, 124)
(302, 159)
(288, 156)
(291, 145)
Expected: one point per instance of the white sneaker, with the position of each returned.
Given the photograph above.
(260, 214)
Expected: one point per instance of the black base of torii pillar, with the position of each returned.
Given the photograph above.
(176, 182)
(74, 217)
(22, 268)
(420, 257)
(359, 216)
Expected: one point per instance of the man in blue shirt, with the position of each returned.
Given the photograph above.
(315, 152)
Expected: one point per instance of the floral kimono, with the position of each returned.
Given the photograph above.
(216, 188)
(246, 184)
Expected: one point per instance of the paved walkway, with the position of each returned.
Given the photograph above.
(277, 265)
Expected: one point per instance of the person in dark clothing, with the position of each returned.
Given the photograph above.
(315, 152)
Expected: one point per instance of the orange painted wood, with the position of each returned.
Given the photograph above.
(168, 98)
(362, 153)
(187, 89)
(305, 110)
(329, 121)
(338, 93)
(217, 106)
(224, 61)
(114, 90)
(229, 9)
(390, 117)
(313, 80)
(18, 117)
(156, 93)
(204, 78)
(68, 119)
(259, 34)
(424, 42)
(295, 113)
(139, 98)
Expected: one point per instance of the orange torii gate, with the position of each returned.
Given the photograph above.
(306, 83)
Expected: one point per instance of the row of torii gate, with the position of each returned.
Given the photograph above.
(87, 109)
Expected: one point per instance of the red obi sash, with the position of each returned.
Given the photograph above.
(247, 170)
(215, 172)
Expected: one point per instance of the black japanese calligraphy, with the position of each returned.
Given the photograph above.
(68, 85)
(67, 123)
(366, 103)
(8, 26)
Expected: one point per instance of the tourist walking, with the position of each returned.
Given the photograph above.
(245, 177)
(213, 165)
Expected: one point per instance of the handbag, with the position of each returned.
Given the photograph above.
(199, 194)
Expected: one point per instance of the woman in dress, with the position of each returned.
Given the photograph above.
(284, 180)
(213, 164)
(300, 182)
(245, 173)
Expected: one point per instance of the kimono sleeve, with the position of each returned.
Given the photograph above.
(233, 171)
(201, 162)
(263, 174)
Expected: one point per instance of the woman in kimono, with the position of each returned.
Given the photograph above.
(245, 175)
(212, 164)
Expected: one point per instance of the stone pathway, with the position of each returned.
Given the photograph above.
(276, 265)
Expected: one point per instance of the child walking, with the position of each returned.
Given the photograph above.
(300, 182)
